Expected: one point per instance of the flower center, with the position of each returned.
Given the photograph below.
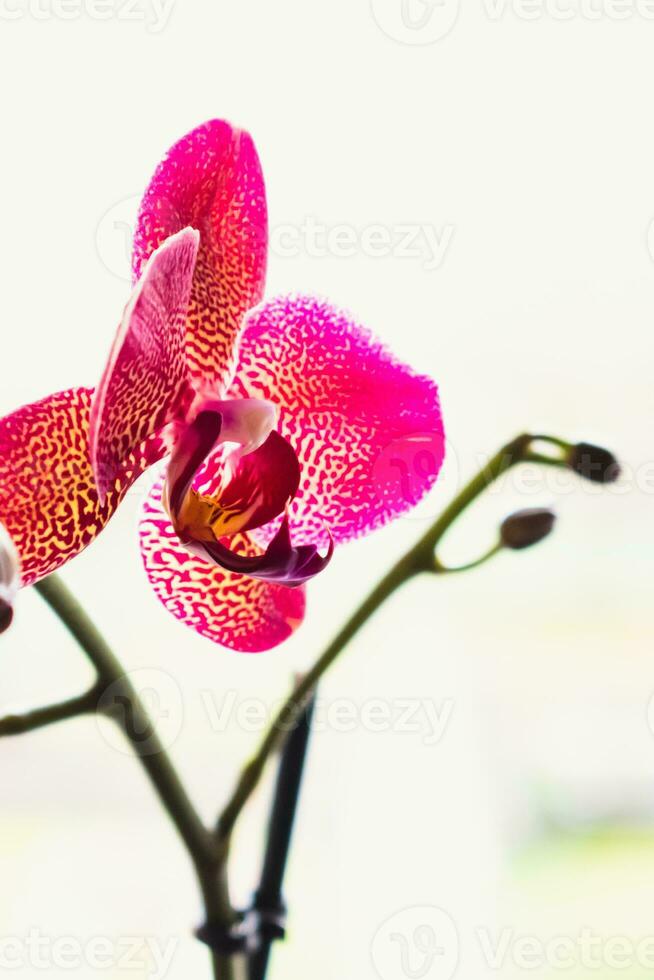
(229, 472)
(245, 472)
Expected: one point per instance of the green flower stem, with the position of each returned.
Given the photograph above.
(40, 717)
(155, 761)
(209, 851)
(420, 558)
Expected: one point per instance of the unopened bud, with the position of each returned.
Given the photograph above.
(526, 527)
(594, 463)
(9, 578)
(6, 615)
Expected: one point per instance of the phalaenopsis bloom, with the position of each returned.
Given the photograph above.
(271, 417)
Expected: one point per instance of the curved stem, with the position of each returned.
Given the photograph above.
(291, 710)
(209, 851)
(61, 711)
(420, 558)
(449, 569)
(139, 730)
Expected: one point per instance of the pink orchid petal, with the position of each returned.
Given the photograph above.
(211, 179)
(367, 429)
(146, 375)
(233, 610)
(48, 499)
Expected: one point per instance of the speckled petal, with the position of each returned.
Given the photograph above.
(367, 429)
(146, 376)
(48, 500)
(233, 610)
(211, 179)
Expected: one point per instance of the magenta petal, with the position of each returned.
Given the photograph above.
(367, 428)
(211, 179)
(233, 610)
(49, 502)
(146, 375)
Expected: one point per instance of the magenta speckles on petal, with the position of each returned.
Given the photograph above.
(146, 374)
(344, 399)
(48, 498)
(211, 180)
(234, 610)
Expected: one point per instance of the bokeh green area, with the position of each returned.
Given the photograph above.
(596, 878)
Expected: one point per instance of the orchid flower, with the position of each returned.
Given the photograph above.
(281, 420)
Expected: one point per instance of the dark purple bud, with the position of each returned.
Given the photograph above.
(594, 463)
(9, 578)
(526, 527)
(6, 615)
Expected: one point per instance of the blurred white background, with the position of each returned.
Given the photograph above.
(522, 140)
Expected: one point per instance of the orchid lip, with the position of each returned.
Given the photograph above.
(260, 486)
(246, 423)
(193, 447)
(258, 478)
(281, 563)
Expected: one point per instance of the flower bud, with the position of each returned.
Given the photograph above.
(594, 463)
(9, 578)
(526, 527)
